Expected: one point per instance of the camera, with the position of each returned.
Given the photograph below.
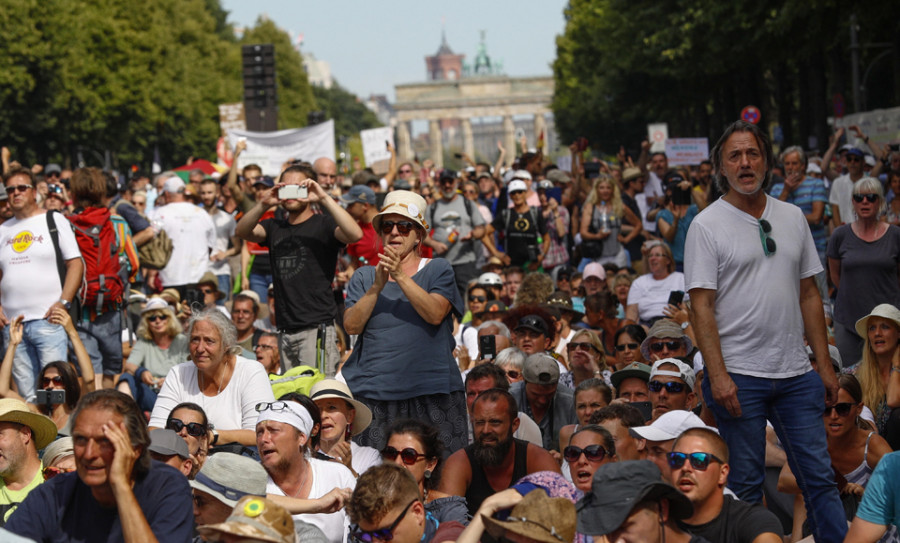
(50, 397)
(293, 192)
(194, 296)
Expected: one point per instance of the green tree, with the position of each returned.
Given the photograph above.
(349, 114)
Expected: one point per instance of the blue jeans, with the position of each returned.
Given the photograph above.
(42, 343)
(794, 407)
(260, 285)
(143, 395)
(102, 339)
(224, 287)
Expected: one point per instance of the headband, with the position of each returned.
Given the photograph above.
(299, 419)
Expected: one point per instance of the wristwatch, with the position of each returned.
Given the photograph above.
(67, 305)
(685, 324)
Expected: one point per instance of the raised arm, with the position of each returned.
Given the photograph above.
(61, 316)
(15, 337)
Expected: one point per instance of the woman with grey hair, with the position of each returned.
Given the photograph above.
(225, 385)
(511, 361)
(863, 259)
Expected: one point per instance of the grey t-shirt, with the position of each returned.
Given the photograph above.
(159, 361)
(453, 216)
(868, 272)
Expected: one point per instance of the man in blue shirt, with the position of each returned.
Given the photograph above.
(880, 507)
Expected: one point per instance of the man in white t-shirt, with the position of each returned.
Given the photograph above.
(842, 188)
(227, 244)
(282, 437)
(750, 265)
(30, 283)
(193, 236)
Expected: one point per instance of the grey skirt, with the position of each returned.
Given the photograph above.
(446, 412)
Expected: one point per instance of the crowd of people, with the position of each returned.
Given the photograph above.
(620, 351)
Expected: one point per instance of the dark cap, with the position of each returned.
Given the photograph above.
(635, 369)
(533, 323)
(264, 180)
(447, 173)
(617, 488)
(359, 194)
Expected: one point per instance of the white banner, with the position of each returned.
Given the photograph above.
(687, 151)
(657, 134)
(373, 144)
(881, 126)
(270, 150)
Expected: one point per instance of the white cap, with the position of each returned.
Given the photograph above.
(685, 372)
(516, 184)
(812, 167)
(669, 426)
(173, 184)
(870, 160)
(490, 279)
(522, 174)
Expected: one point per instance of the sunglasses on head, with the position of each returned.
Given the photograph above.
(382, 534)
(842, 409)
(594, 453)
(699, 460)
(154, 318)
(871, 198)
(580, 346)
(629, 346)
(477, 298)
(670, 345)
(672, 387)
(404, 227)
(51, 472)
(193, 428)
(56, 380)
(409, 455)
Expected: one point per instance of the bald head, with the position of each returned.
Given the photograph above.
(326, 170)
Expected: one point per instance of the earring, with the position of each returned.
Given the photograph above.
(427, 474)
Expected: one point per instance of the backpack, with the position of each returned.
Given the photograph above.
(103, 288)
(507, 214)
(433, 207)
(129, 263)
(297, 379)
(155, 254)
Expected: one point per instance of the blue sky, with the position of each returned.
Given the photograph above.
(372, 46)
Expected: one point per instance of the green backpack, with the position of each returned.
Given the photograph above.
(297, 379)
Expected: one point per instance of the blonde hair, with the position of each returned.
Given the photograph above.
(869, 376)
(594, 340)
(173, 326)
(618, 208)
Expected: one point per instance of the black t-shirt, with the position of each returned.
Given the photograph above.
(634, 246)
(303, 258)
(738, 522)
(520, 232)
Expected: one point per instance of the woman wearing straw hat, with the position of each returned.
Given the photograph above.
(402, 310)
(342, 418)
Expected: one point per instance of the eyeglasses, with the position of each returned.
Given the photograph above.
(672, 387)
(404, 227)
(409, 455)
(594, 453)
(629, 346)
(274, 406)
(383, 534)
(670, 345)
(195, 429)
(699, 460)
(56, 379)
(18, 188)
(871, 198)
(843, 409)
(477, 299)
(52, 472)
(580, 346)
(513, 374)
(765, 229)
(154, 318)
(265, 347)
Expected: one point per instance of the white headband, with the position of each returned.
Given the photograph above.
(294, 414)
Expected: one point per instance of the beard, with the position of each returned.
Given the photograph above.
(491, 455)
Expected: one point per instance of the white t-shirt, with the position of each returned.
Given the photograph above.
(225, 225)
(232, 409)
(757, 308)
(842, 196)
(193, 234)
(30, 283)
(326, 476)
(652, 295)
(363, 457)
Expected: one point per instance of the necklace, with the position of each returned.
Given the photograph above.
(221, 380)
(302, 482)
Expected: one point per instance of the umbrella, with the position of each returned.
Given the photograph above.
(207, 167)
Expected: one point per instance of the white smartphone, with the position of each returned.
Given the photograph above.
(293, 192)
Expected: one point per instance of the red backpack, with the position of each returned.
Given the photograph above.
(103, 289)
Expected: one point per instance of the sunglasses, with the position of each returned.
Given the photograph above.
(513, 374)
(513, 193)
(264, 347)
(843, 409)
(477, 299)
(18, 188)
(409, 455)
(382, 534)
(765, 229)
(56, 380)
(629, 346)
(594, 453)
(699, 460)
(580, 346)
(853, 158)
(405, 171)
(672, 387)
(193, 428)
(871, 198)
(404, 227)
(155, 318)
(52, 472)
(659, 346)
(207, 290)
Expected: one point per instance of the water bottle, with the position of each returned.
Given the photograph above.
(604, 219)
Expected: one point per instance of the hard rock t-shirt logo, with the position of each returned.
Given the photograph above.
(23, 240)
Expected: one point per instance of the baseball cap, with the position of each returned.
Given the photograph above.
(669, 425)
(264, 180)
(855, 151)
(635, 369)
(594, 269)
(516, 185)
(359, 194)
(685, 372)
(490, 279)
(540, 369)
(494, 306)
(522, 174)
(534, 323)
(812, 167)
(168, 443)
(173, 185)
(545, 184)
(52, 168)
(558, 176)
(228, 477)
